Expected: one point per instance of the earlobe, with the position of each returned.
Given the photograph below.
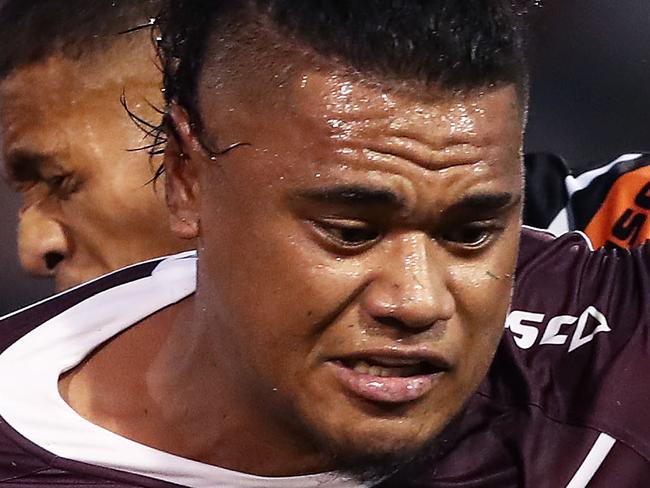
(181, 176)
(184, 228)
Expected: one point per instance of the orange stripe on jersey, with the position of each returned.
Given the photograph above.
(622, 219)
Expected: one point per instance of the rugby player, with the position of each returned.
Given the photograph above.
(352, 171)
(68, 143)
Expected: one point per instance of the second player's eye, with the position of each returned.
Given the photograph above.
(471, 236)
(348, 234)
(61, 185)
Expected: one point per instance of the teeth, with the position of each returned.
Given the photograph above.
(394, 362)
(376, 371)
(363, 367)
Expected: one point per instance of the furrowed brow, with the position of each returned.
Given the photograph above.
(354, 195)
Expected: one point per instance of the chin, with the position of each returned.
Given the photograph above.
(374, 458)
(374, 453)
(371, 449)
(371, 439)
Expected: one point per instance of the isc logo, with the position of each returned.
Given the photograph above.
(578, 331)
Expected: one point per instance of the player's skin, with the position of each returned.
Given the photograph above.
(87, 208)
(364, 221)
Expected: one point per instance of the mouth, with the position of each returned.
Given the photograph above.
(389, 378)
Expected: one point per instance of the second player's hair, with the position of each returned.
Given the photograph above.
(33, 30)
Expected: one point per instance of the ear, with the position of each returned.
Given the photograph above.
(182, 187)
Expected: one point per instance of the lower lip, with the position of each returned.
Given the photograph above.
(393, 389)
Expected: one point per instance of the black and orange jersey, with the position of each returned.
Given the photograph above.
(609, 203)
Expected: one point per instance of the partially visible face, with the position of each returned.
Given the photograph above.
(356, 259)
(65, 146)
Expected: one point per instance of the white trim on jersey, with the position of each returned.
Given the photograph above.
(550, 232)
(69, 290)
(592, 462)
(31, 404)
(582, 181)
(561, 223)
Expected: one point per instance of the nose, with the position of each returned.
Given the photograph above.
(42, 242)
(412, 288)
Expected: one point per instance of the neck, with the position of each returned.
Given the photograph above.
(166, 384)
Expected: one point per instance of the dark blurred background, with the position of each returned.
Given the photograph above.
(590, 101)
(590, 97)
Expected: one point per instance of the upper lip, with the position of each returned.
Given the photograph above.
(393, 357)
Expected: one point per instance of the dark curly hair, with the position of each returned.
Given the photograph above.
(458, 43)
(33, 30)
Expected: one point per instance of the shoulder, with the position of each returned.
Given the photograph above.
(565, 271)
(539, 244)
(567, 294)
(609, 201)
(40, 341)
(576, 340)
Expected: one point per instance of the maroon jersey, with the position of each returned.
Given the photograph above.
(563, 404)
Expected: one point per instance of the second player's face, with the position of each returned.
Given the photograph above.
(356, 257)
(65, 138)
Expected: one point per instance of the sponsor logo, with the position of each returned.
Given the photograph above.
(632, 223)
(622, 218)
(526, 328)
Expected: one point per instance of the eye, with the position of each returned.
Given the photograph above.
(61, 185)
(347, 234)
(471, 236)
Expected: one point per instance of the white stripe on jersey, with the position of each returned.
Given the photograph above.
(582, 181)
(592, 462)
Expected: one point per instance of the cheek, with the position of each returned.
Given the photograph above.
(128, 207)
(274, 284)
(483, 291)
(482, 298)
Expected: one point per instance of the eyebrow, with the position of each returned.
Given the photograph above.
(485, 202)
(480, 203)
(23, 165)
(354, 195)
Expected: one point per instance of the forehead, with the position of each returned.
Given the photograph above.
(35, 95)
(325, 127)
(37, 102)
(47, 105)
(243, 75)
(422, 119)
(321, 103)
(61, 82)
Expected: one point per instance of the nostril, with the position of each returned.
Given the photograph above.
(390, 321)
(52, 259)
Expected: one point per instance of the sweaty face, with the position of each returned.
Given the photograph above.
(65, 138)
(356, 258)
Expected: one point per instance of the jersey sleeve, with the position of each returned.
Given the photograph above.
(577, 340)
(609, 202)
(546, 192)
